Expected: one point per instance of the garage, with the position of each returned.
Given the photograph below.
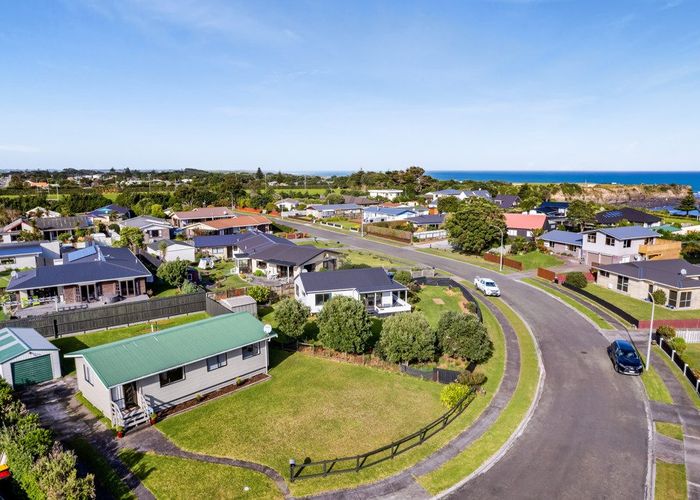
(27, 358)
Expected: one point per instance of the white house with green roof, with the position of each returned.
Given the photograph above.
(129, 379)
(27, 358)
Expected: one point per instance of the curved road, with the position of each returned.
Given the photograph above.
(588, 435)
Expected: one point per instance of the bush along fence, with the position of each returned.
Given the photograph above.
(496, 259)
(356, 463)
(608, 305)
(688, 372)
(99, 318)
(434, 281)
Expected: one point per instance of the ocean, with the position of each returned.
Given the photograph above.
(687, 178)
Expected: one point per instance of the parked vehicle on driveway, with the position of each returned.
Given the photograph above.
(487, 286)
(4, 468)
(625, 358)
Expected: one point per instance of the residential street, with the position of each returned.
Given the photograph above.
(588, 435)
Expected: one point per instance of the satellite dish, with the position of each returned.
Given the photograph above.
(683, 272)
(267, 329)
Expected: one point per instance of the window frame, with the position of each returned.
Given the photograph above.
(609, 241)
(171, 382)
(685, 299)
(623, 283)
(325, 297)
(255, 350)
(592, 238)
(87, 373)
(627, 244)
(215, 362)
(673, 298)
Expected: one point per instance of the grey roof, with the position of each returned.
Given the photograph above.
(17, 341)
(507, 200)
(628, 214)
(340, 206)
(358, 200)
(424, 220)
(665, 272)
(104, 264)
(218, 240)
(287, 255)
(565, 237)
(481, 193)
(390, 211)
(144, 221)
(373, 279)
(57, 223)
(156, 244)
(626, 232)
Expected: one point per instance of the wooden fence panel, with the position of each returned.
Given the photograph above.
(546, 274)
(496, 259)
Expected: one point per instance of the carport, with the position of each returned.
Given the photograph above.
(27, 358)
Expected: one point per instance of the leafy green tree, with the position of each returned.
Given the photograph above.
(688, 202)
(577, 279)
(173, 273)
(344, 325)
(58, 477)
(530, 203)
(259, 293)
(581, 213)
(464, 336)
(334, 199)
(157, 211)
(130, 237)
(453, 393)
(449, 204)
(291, 316)
(407, 337)
(188, 287)
(659, 297)
(475, 227)
(403, 277)
(259, 174)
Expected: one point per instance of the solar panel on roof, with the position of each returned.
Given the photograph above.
(83, 252)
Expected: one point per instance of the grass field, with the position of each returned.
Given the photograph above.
(77, 342)
(670, 481)
(469, 259)
(179, 478)
(321, 243)
(639, 308)
(678, 374)
(434, 300)
(106, 478)
(374, 259)
(674, 431)
(507, 422)
(344, 223)
(600, 322)
(692, 355)
(533, 260)
(222, 275)
(654, 386)
(5, 278)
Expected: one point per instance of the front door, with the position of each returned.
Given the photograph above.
(87, 293)
(130, 396)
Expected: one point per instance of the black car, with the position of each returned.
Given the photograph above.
(624, 358)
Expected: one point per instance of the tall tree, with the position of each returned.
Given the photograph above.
(688, 203)
(475, 227)
(449, 204)
(344, 325)
(407, 337)
(581, 213)
(130, 237)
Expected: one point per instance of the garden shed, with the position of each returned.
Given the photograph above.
(27, 358)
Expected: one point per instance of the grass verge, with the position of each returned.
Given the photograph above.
(469, 259)
(535, 259)
(674, 431)
(654, 385)
(180, 478)
(507, 422)
(598, 320)
(638, 308)
(670, 481)
(679, 376)
(106, 478)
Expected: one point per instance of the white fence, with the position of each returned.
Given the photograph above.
(690, 336)
(436, 234)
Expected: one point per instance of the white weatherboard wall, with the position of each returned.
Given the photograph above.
(6, 367)
(94, 391)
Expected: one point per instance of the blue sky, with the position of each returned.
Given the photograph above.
(329, 85)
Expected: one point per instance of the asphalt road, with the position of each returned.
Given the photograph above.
(588, 435)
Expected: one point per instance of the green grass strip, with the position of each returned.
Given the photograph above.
(670, 481)
(93, 409)
(597, 319)
(674, 431)
(507, 422)
(654, 386)
(685, 383)
(105, 476)
(469, 259)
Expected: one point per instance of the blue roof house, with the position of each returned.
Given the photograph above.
(614, 245)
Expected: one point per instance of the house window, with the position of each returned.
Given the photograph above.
(623, 283)
(8, 261)
(172, 376)
(296, 290)
(685, 299)
(87, 373)
(672, 298)
(591, 238)
(571, 248)
(627, 244)
(251, 350)
(604, 274)
(216, 362)
(550, 244)
(610, 241)
(648, 241)
(154, 233)
(322, 298)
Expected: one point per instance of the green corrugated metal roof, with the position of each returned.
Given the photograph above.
(138, 357)
(15, 341)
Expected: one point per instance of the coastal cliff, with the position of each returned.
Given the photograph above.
(637, 195)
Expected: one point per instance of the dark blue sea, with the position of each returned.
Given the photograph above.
(683, 178)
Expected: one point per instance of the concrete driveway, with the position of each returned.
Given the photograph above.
(588, 437)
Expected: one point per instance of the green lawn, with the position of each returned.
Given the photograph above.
(469, 259)
(670, 481)
(344, 223)
(321, 409)
(599, 321)
(685, 383)
(535, 259)
(221, 274)
(639, 308)
(77, 342)
(373, 259)
(321, 243)
(5, 278)
(105, 476)
(179, 478)
(434, 300)
(674, 431)
(506, 423)
(654, 386)
(692, 355)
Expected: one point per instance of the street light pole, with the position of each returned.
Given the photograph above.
(651, 329)
(502, 249)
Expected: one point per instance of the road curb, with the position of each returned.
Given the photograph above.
(495, 458)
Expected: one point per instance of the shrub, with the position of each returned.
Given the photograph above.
(403, 277)
(189, 287)
(463, 336)
(344, 325)
(472, 379)
(58, 477)
(174, 272)
(659, 297)
(518, 245)
(407, 337)
(665, 331)
(577, 279)
(678, 344)
(291, 316)
(260, 293)
(259, 273)
(452, 394)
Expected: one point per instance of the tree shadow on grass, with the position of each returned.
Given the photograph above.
(66, 346)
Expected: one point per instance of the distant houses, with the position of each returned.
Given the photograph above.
(349, 210)
(153, 228)
(525, 225)
(229, 225)
(389, 194)
(630, 215)
(563, 242)
(203, 214)
(29, 254)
